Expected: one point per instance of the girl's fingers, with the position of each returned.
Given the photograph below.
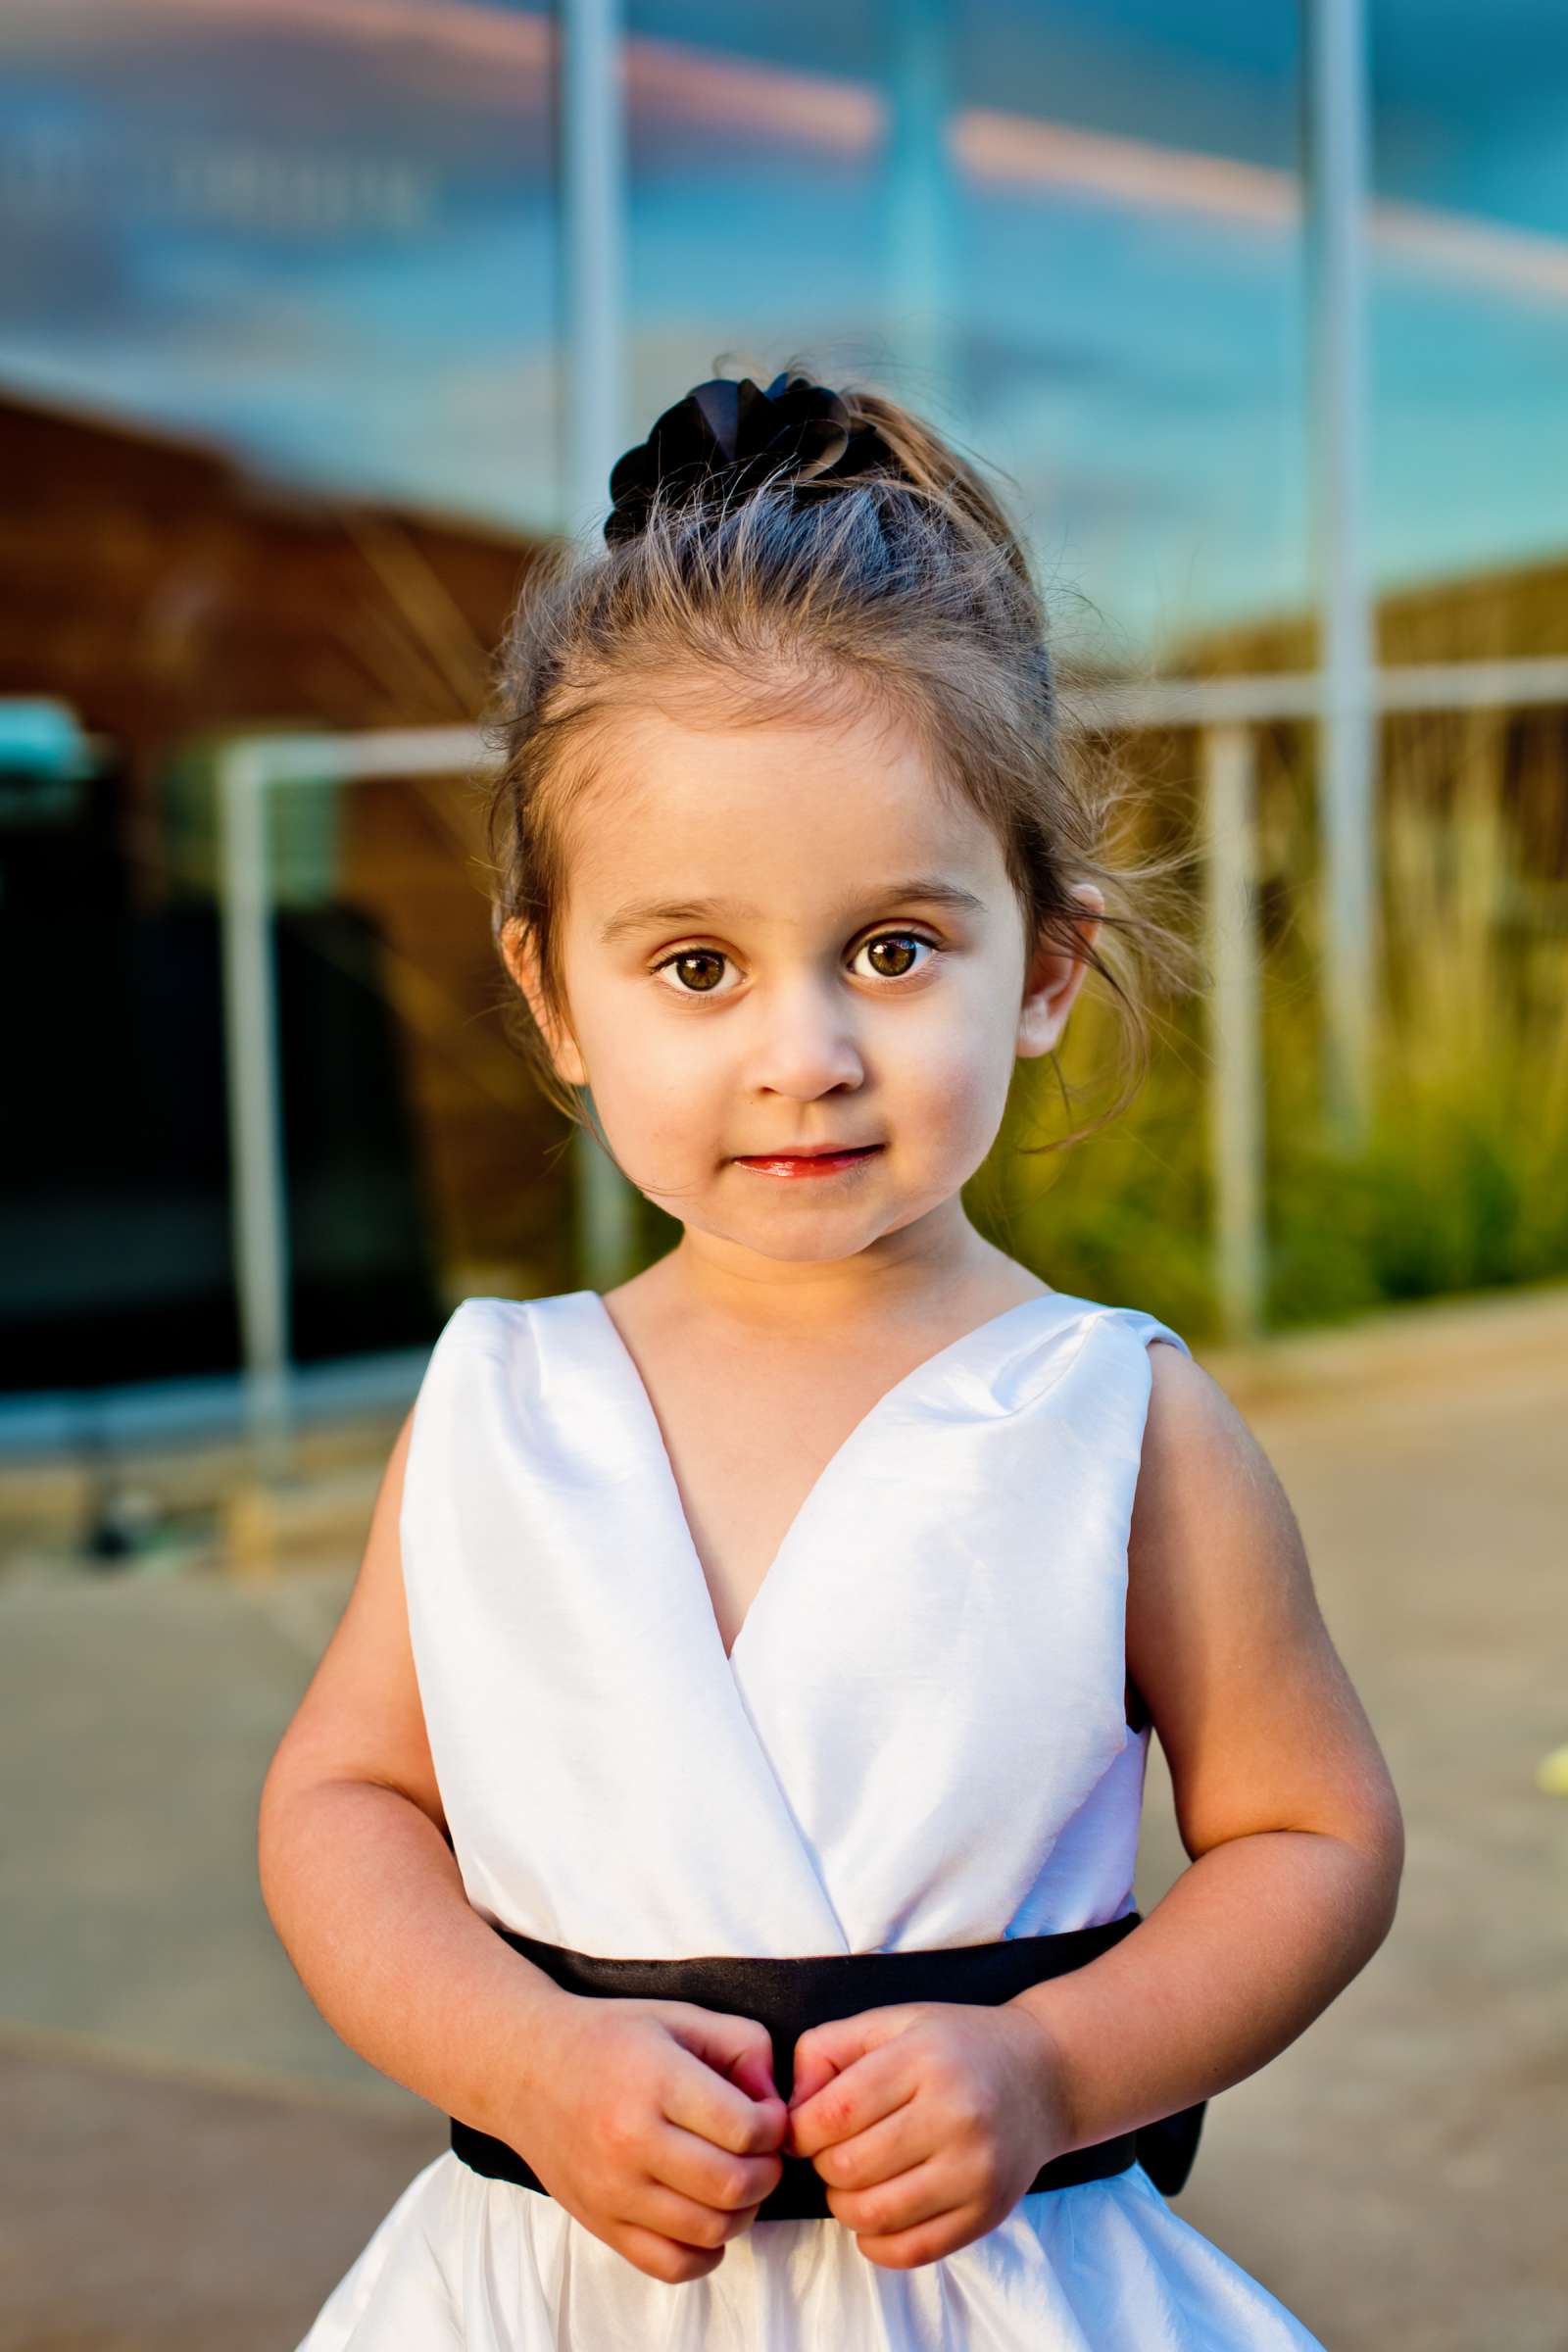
(891, 2145)
(690, 2220)
(890, 2206)
(690, 2166)
(737, 2050)
(867, 2091)
(661, 2257)
(698, 2101)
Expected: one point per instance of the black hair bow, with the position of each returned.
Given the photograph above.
(741, 433)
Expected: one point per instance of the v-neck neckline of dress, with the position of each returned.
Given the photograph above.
(637, 1388)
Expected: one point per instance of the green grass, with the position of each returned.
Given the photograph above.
(1463, 1182)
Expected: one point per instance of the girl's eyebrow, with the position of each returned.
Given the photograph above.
(648, 914)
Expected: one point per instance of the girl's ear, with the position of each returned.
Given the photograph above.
(1055, 976)
(520, 953)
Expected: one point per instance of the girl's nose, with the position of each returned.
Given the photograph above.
(808, 1043)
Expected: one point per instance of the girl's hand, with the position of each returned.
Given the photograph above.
(657, 2124)
(927, 2119)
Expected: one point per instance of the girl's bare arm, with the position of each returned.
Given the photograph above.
(1283, 1797)
(358, 1878)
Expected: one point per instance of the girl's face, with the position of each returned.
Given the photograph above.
(779, 938)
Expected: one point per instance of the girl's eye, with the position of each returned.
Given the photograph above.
(698, 969)
(900, 943)
(705, 984)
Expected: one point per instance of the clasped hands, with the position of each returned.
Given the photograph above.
(658, 2124)
(926, 2120)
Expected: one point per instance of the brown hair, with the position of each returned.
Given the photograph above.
(905, 588)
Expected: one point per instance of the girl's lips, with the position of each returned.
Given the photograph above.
(824, 1164)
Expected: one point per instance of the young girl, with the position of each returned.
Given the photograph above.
(721, 1795)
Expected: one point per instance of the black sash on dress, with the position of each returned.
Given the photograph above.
(789, 1996)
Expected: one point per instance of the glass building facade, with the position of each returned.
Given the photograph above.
(321, 242)
(327, 236)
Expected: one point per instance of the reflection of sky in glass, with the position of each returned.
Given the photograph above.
(323, 233)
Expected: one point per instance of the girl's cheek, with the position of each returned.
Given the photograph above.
(954, 1071)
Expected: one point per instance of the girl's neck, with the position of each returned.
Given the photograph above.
(962, 1276)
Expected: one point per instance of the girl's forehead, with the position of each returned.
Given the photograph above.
(856, 793)
(665, 743)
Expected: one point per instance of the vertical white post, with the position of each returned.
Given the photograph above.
(256, 1174)
(593, 218)
(1336, 144)
(593, 173)
(1236, 1079)
(920, 202)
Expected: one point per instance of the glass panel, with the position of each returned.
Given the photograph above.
(322, 237)
(1470, 317)
(279, 414)
(1071, 232)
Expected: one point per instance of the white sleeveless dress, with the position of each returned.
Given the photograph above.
(918, 1741)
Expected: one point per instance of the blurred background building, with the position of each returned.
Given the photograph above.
(318, 315)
